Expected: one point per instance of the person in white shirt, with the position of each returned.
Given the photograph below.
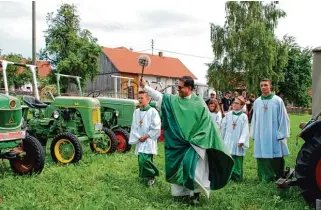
(216, 114)
(145, 130)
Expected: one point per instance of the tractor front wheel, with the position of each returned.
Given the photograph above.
(33, 161)
(308, 170)
(107, 145)
(122, 137)
(66, 148)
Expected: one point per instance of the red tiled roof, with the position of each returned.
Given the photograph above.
(43, 67)
(126, 61)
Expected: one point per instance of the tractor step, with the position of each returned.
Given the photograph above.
(11, 155)
(286, 181)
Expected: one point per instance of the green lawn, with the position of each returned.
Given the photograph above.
(110, 182)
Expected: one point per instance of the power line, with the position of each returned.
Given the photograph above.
(197, 56)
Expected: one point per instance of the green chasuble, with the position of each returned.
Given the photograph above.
(186, 122)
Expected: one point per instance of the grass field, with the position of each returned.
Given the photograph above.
(111, 182)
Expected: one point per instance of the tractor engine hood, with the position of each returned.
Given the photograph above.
(76, 102)
(10, 113)
(9, 102)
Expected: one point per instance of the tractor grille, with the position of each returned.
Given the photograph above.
(10, 118)
(96, 116)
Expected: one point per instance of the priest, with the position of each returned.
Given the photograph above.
(270, 128)
(196, 159)
(145, 130)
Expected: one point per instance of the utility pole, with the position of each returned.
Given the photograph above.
(34, 55)
(152, 46)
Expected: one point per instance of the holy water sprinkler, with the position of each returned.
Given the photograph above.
(144, 61)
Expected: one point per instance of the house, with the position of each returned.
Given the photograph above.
(123, 62)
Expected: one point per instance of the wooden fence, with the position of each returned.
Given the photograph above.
(299, 110)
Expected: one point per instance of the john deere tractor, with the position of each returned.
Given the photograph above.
(25, 153)
(116, 114)
(67, 121)
(307, 172)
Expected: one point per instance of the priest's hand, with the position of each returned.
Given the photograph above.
(142, 83)
(240, 144)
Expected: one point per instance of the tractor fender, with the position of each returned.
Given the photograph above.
(311, 130)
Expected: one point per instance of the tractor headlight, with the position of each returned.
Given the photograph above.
(116, 113)
(56, 114)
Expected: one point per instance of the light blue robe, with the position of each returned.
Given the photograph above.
(217, 118)
(240, 134)
(268, 126)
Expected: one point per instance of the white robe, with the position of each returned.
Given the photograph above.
(217, 118)
(151, 125)
(202, 171)
(240, 134)
(268, 126)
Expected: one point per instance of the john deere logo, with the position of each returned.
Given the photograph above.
(11, 121)
(76, 103)
(12, 104)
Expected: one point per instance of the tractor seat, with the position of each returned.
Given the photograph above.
(33, 102)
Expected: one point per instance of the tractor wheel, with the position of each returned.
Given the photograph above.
(33, 161)
(106, 146)
(122, 137)
(66, 148)
(308, 170)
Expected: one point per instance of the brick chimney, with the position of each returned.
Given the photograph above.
(160, 54)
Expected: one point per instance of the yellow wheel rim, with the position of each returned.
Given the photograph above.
(100, 145)
(64, 151)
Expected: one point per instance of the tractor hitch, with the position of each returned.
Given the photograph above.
(286, 180)
(12, 154)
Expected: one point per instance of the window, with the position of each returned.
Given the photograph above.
(158, 79)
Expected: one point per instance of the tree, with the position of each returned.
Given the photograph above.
(245, 48)
(70, 49)
(297, 75)
(17, 76)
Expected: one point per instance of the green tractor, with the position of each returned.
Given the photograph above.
(116, 114)
(24, 152)
(307, 172)
(67, 121)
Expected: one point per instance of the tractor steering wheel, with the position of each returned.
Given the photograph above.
(94, 93)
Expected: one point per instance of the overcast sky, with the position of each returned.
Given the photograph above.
(175, 25)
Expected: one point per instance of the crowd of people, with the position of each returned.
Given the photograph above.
(205, 145)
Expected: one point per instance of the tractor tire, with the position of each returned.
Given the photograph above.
(34, 160)
(122, 140)
(111, 145)
(75, 149)
(308, 170)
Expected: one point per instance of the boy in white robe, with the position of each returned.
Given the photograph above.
(216, 115)
(270, 128)
(235, 134)
(145, 130)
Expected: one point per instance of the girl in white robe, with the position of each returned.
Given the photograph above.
(235, 134)
(216, 115)
(145, 130)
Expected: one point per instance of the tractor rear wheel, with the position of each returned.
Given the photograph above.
(122, 137)
(66, 148)
(308, 170)
(106, 146)
(33, 161)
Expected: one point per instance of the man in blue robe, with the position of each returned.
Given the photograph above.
(270, 128)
